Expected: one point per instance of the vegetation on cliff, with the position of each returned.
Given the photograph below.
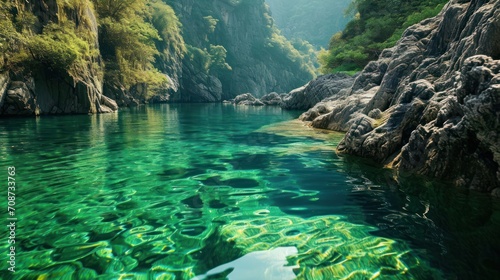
(55, 46)
(237, 43)
(132, 50)
(131, 37)
(376, 25)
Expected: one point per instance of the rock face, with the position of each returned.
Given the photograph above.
(46, 92)
(244, 28)
(197, 86)
(431, 104)
(324, 86)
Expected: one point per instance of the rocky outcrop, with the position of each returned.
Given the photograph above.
(315, 91)
(430, 105)
(272, 99)
(4, 82)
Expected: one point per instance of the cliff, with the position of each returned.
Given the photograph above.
(91, 56)
(431, 104)
(252, 55)
(46, 88)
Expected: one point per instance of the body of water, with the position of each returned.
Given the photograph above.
(213, 191)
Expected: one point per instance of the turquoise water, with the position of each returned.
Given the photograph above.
(211, 191)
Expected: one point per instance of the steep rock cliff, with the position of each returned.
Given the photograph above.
(44, 90)
(430, 105)
(258, 59)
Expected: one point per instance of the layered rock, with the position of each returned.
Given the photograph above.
(429, 105)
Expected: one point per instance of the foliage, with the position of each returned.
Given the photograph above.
(199, 58)
(218, 58)
(281, 48)
(211, 23)
(377, 25)
(14, 28)
(170, 44)
(117, 10)
(133, 35)
(58, 47)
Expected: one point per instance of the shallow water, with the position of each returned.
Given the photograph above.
(215, 191)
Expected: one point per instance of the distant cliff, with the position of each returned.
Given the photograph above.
(246, 51)
(312, 20)
(431, 104)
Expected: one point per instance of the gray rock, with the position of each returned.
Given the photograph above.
(4, 82)
(197, 86)
(339, 112)
(496, 192)
(429, 105)
(245, 99)
(273, 99)
(315, 91)
(19, 100)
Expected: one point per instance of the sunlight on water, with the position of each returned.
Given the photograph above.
(189, 192)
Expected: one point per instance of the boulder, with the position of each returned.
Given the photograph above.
(245, 99)
(273, 99)
(19, 100)
(315, 91)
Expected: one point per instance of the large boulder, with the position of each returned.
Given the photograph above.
(19, 100)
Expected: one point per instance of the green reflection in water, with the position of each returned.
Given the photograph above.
(173, 191)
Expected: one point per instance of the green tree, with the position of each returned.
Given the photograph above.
(127, 43)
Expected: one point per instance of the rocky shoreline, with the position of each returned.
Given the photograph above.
(428, 106)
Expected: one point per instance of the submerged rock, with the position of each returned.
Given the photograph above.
(429, 105)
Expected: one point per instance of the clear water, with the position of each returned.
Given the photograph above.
(211, 191)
